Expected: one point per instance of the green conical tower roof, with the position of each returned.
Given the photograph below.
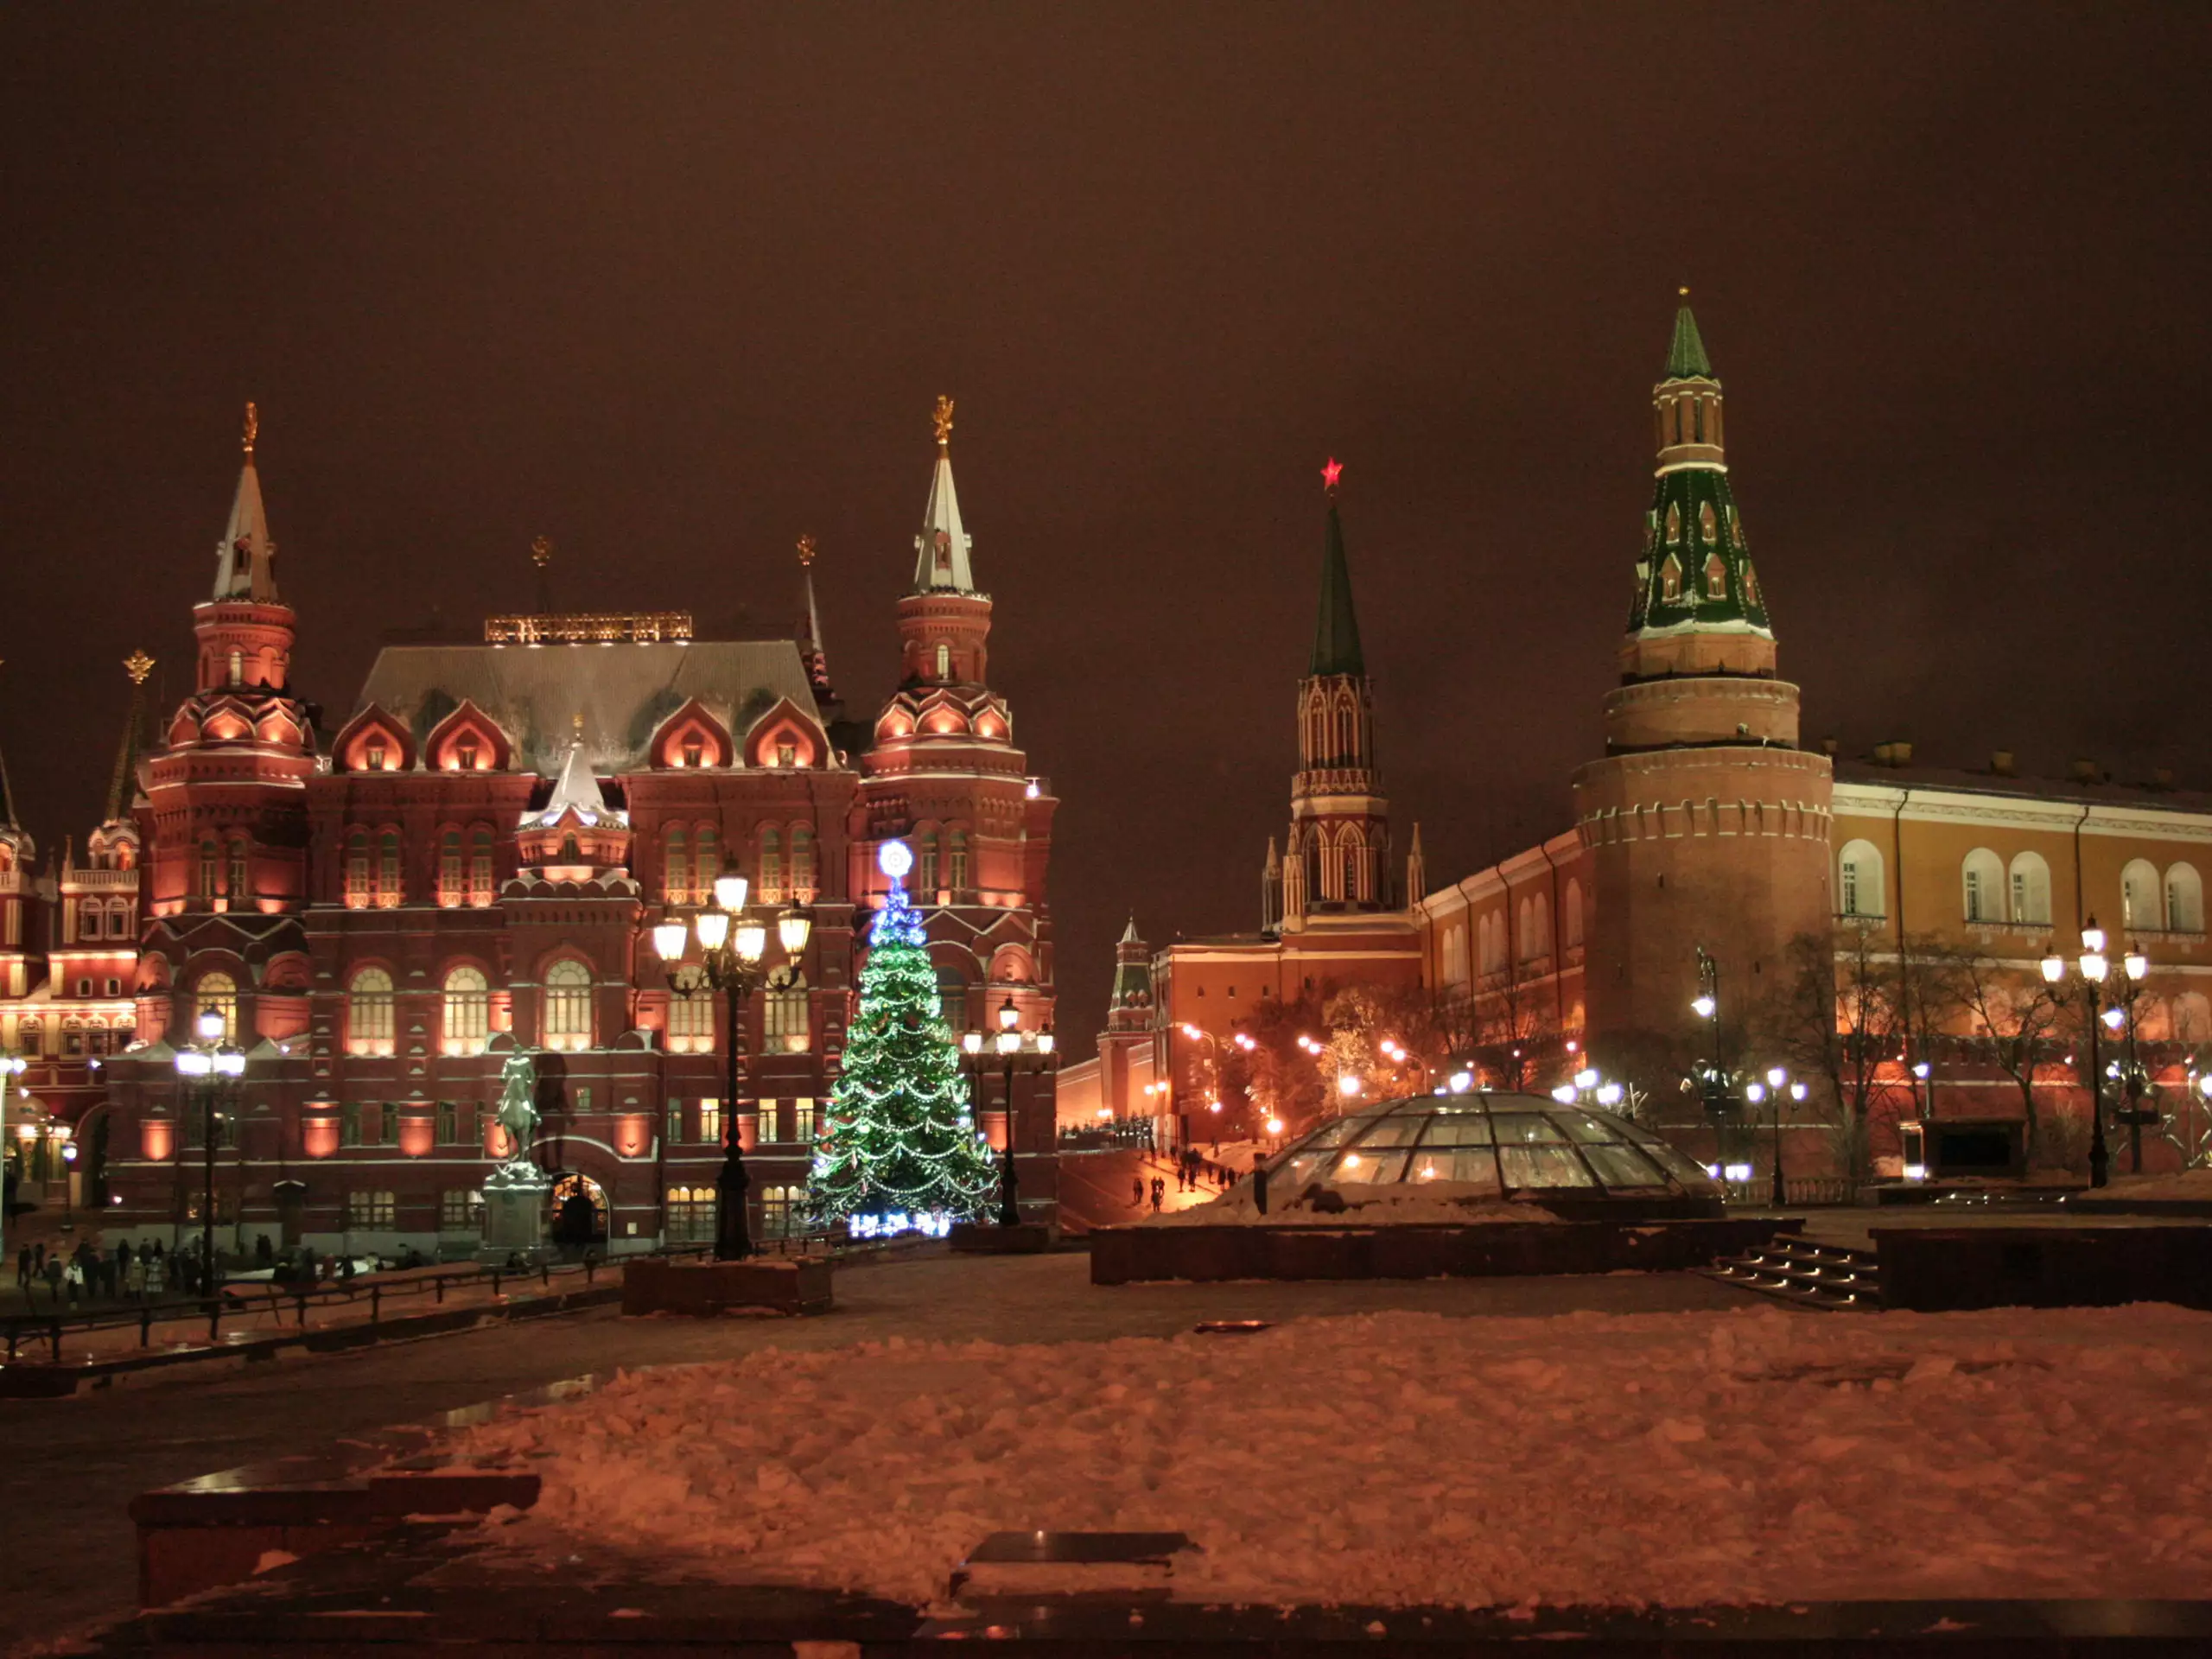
(1685, 357)
(123, 787)
(1336, 637)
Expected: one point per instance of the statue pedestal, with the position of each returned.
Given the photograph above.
(514, 1212)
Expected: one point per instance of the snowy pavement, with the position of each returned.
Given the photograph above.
(1748, 1454)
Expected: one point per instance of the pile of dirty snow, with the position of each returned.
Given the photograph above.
(1759, 1455)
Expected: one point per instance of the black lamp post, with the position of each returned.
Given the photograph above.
(730, 948)
(2095, 968)
(1775, 1087)
(1718, 1106)
(208, 1067)
(1017, 1050)
(2135, 1086)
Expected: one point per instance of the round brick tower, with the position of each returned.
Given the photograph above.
(1706, 824)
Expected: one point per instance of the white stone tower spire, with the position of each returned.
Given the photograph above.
(246, 559)
(941, 550)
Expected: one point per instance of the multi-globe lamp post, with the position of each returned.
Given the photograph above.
(2094, 969)
(207, 1069)
(1015, 1051)
(12, 1067)
(731, 944)
(1776, 1086)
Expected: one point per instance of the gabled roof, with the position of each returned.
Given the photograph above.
(1336, 635)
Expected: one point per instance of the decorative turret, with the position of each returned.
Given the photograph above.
(575, 835)
(1131, 1007)
(1338, 856)
(123, 782)
(1697, 607)
(944, 620)
(246, 629)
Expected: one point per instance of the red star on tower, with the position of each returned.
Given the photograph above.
(1330, 473)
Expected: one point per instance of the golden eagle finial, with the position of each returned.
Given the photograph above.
(252, 430)
(541, 552)
(941, 416)
(138, 665)
(806, 551)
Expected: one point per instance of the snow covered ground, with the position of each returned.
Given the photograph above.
(1752, 1455)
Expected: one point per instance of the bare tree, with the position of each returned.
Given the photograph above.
(2018, 1017)
(1836, 1015)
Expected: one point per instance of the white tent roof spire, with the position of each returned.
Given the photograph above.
(941, 551)
(246, 559)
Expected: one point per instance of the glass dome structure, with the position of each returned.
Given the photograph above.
(1483, 1145)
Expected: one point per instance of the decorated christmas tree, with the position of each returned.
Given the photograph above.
(898, 1146)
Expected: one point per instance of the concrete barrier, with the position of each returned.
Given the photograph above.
(1941, 1270)
(706, 1288)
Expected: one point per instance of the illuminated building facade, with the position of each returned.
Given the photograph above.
(472, 862)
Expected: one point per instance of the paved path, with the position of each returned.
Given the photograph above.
(73, 1465)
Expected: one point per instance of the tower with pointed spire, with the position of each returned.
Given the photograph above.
(18, 887)
(1336, 859)
(941, 773)
(1705, 825)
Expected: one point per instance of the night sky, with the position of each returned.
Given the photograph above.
(671, 285)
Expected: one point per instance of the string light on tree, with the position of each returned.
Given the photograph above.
(898, 1148)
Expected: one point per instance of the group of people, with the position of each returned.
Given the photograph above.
(86, 1273)
(1194, 1171)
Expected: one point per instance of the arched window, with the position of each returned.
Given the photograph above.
(1316, 731)
(1670, 578)
(691, 1022)
(209, 854)
(368, 1013)
(944, 662)
(118, 918)
(88, 918)
(2184, 899)
(926, 870)
(238, 666)
(1524, 928)
(1982, 879)
(357, 869)
(2031, 884)
(479, 865)
(1716, 576)
(451, 869)
(1571, 921)
(676, 864)
(1346, 749)
(1858, 888)
(690, 1215)
(772, 867)
(217, 992)
(1674, 524)
(240, 884)
(802, 888)
(706, 863)
(567, 1006)
(2142, 897)
(784, 1021)
(952, 997)
(387, 887)
(1709, 527)
(1351, 847)
(957, 874)
(468, 1011)
(1540, 916)
(1751, 584)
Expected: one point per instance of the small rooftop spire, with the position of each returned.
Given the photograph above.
(1336, 635)
(812, 654)
(942, 549)
(541, 554)
(246, 559)
(123, 784)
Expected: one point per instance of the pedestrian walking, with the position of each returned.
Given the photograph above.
(1137, 1198)
(53, 1274)
(38, 1260)
(23, 1268)
(1159, 1190)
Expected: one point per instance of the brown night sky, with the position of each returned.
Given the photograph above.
(673, 283)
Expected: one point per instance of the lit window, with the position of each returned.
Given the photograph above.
(373, 756)
(676, 861)
(925, 868)
(1859, 881)
(371, 1212)
(567, 1006)
(1716, 577)
(944, 662)
(388, 888)
(802, 863)
(691, 1022)
(1707, 527)
(357, 869)
(695, 750)
(784, 1016)
(369, 1012)
(209, 856)
(450, 869)
(468, 1011)
(1670, 579)
(217, 992)
(460, 1211)
(710, 1122)
(479, 867)
(707, 865)
(2184, 899)
(1674, 524)
(464, 752)
(956, 878)
(787, 754)
(772, 867)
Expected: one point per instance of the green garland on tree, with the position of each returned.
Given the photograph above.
(899, 1138)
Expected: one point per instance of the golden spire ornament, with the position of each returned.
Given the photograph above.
(252, 430)
(806, 551)
(942, 417)
(138, 665)
(541, 552)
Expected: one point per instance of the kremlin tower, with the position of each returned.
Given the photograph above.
(1705, 825)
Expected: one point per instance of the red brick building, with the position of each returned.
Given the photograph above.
(472, 863)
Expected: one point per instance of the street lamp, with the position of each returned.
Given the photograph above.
(2094, 968)
(1714, 1092)
(2136, 1085)
(1775, 1087)
(11, 1067)
(731, 945)
(209, 1069)
(1017, 1050)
